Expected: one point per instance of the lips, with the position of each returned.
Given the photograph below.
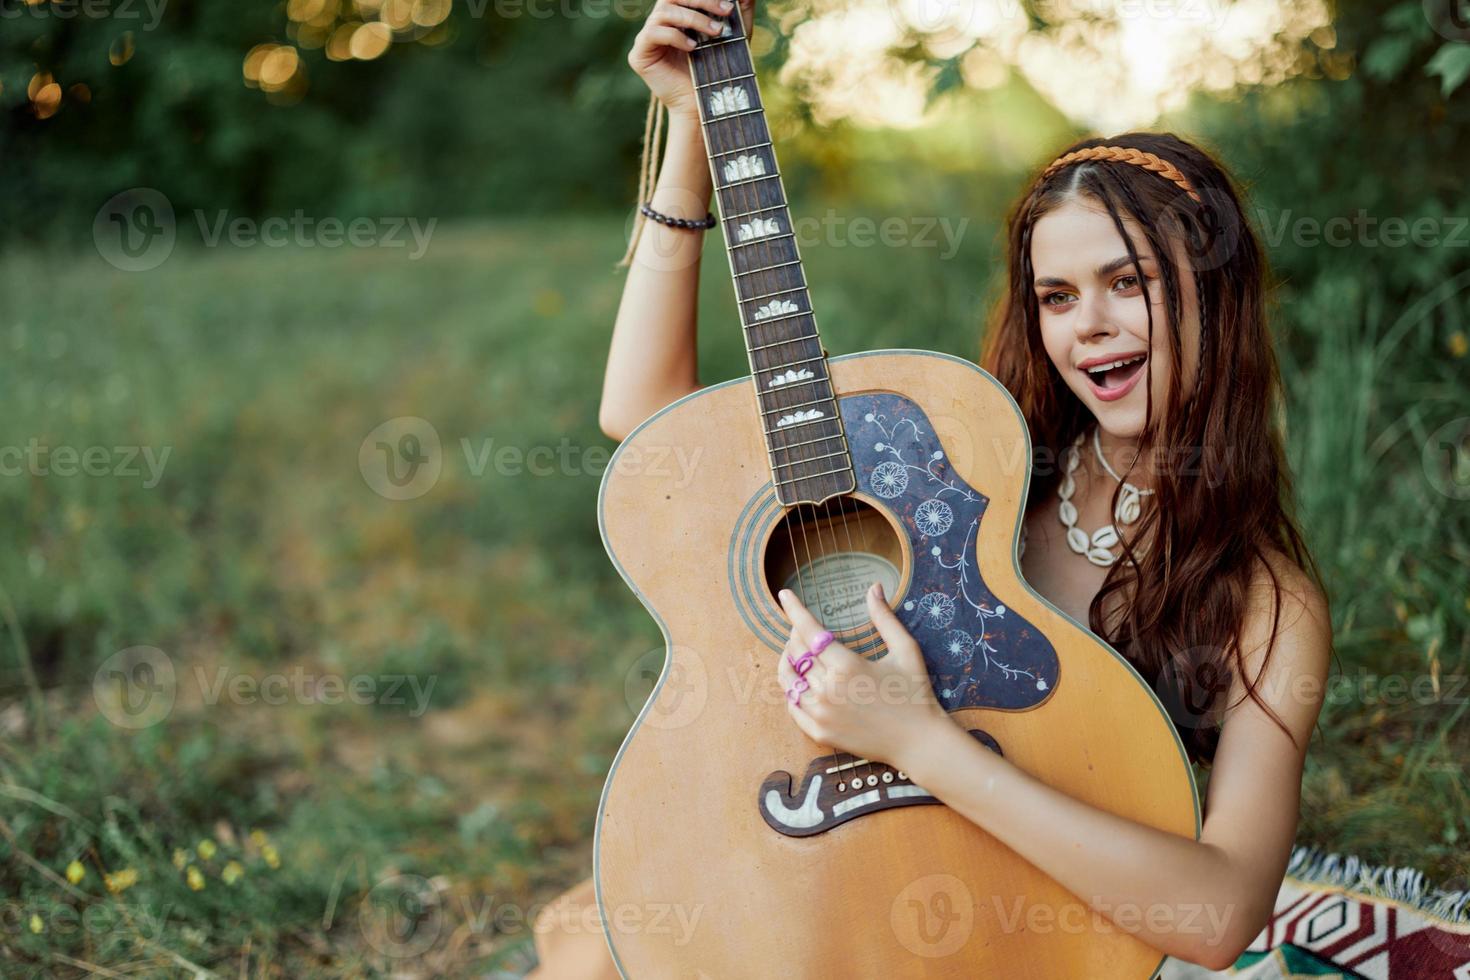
(1113, 376)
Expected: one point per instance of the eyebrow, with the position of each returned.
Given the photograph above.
(1102, 271)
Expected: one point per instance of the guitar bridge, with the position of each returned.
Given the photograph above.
(841, 787)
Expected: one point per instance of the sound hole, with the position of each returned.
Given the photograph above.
(829, 553)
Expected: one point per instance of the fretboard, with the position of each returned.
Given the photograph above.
(798, 408)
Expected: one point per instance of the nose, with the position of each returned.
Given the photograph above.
(1093, 320)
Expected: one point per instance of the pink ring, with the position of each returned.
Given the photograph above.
(820, 643)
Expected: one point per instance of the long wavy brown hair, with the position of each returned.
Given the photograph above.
(1228, 500)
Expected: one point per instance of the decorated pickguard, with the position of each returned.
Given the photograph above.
(980, 653)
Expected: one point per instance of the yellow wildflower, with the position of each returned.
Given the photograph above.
(232, 872)
(181, 858)
(75, 872)
(206, 848)
(195, 878)
(36, 924)
(258, 838)
(268, 851)
(1459, 345)
(120, 880)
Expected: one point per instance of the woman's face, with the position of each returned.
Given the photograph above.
(1093, 314)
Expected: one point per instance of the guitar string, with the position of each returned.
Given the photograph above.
(826, 505)
(718, 60)
(826, 520)
(838, 583)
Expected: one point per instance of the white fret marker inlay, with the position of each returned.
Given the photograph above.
(746, 165)
(759, 228)
(790, 377)
(795, 417)
(775, 308)
(731, 98)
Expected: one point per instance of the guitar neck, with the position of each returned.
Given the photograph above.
(804, 437)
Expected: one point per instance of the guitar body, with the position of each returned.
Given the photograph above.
(725, 848)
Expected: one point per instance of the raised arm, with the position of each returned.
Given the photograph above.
(652, 358)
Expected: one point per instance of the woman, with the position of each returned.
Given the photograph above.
(1133, 328)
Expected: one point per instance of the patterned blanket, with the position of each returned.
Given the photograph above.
(1338, 917)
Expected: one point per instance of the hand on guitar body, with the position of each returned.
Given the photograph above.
(876, 709)
(660, 51)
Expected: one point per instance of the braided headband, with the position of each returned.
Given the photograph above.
(1126, 154)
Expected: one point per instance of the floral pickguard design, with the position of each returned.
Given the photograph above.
(979, 652)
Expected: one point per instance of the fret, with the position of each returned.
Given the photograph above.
(768, 268)
(754, 299)
(739, 149)
(787, 408)
(798, 462)
(797, 425)
(813, 476)
(778, 343)
(777, 319)
(762, 240)
(746, 214)
(750, 180)
(791, 364)
(722, 116)
(809, 442)
(717, 81)
(796, 384)
(715, 41)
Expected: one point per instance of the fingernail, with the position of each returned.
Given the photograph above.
(783, 594)
(878, 590)
(726, 5)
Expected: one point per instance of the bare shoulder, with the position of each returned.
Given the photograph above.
(1285, 642)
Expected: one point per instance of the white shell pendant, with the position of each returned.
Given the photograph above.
(1097, 547)
(1129, 505)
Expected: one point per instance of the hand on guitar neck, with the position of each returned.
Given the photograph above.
(660, 51)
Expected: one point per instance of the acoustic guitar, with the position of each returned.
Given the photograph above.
(728, 844)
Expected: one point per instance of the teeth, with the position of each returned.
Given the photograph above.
(1108, 367)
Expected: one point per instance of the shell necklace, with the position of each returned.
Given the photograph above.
(1098, 546)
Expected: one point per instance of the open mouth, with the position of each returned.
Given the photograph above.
(1114, 379)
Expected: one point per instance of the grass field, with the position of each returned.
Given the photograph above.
(271, 825)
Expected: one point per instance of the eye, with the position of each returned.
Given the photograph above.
(1049, 298)
(1125, 283)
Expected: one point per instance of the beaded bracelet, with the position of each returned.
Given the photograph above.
(708, 221)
